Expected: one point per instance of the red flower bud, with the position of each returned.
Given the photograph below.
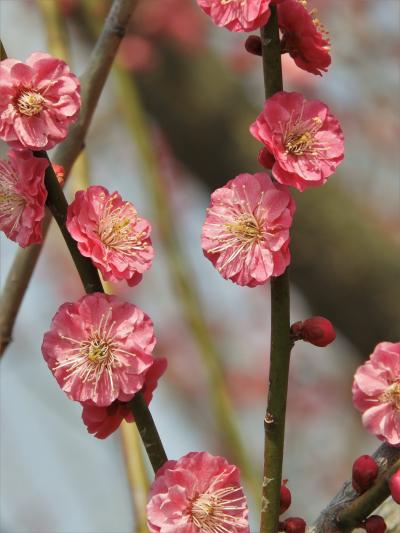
(59, 172)
(294, 525)
(374, 524)
(286, 498)
(394, 485)
(365, 471)
(265, 158)
(253, 45)
(318, 330)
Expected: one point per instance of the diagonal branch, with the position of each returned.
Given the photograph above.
(93, 81)
(348, 509)
(57, 204)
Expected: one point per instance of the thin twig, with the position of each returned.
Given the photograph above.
(348, 509)
(92, 82)
(274, 421)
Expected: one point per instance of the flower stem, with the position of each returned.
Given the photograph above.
(281, 345)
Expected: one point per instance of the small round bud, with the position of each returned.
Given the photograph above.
(286, 498)
(265, 158)
(294, 525)
(318, 330)
(253, 45)
(374, 524)
(394, 485)
(365, 471)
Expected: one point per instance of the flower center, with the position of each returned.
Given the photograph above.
(11, 203)
(216, 512)
(300, 137)
(30, 103)
(96, 349)
(245, 228)
(392, 396)
(91, 357)
(116, 228)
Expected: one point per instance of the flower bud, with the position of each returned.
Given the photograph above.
(286, 498)
(394, 485)
(365, 471)
(265, 158)
(316, 330)
(59, 172)
(294, 525)
(374, 524)
(253, 45)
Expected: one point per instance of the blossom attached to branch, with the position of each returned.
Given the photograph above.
(237, 15)
(102, 421)
(39, 99)
(303, 37)
(197, 493)
(246, 231)
(99, 349)
(376, 392)
(303, 136)
(22, 197)
(110, 232)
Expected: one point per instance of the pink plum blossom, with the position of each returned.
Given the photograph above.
(303, 36)
(22, 196)
(197, 493)
(102, 421)
(39, 99)
(110, 232)
(99, 349)
(304, 138)
(237, 15)
(246, 231)
(376, 392)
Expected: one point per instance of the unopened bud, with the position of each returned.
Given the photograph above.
(316, 330)
(286, 498)
(365, 471)
(59, 172)
(294, 525)
(253, 45)
(374, 524)
(394, 485)
(265, 158)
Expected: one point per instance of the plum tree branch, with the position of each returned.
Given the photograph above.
(348, 508)
(281, 345)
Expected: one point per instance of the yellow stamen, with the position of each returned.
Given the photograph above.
(392, 396)
(30, 103)
(299, 138)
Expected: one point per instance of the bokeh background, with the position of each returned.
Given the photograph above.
(172, 125)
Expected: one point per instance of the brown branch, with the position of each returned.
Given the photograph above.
(93, 81)
(281, 345)
(348, 509)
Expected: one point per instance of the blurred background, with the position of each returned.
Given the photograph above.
(172, 125)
